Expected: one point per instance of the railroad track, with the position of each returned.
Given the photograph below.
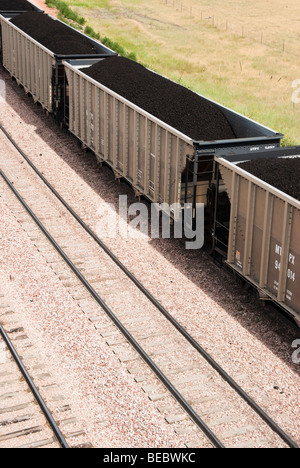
(34, 413)
(31, 415)
(211, 408)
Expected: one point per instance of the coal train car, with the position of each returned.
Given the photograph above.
(254, 227)
(259, 238)
(37, 66)
(9, 8)
(157, 159)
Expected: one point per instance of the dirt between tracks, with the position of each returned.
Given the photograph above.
(175, 105)
(282, 173)
(57, 37)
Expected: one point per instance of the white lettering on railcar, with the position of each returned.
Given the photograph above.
(238, 259)
(255, 148)
(291, 275)
(289, 295)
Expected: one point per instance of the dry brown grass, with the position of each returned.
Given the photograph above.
(272, 22)
(217, 48)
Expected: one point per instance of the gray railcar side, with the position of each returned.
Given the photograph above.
(36, 68)
(152, 156)
(263, 235)
(166, 166)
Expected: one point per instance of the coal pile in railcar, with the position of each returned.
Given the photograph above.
(173, 104)
(282, 173)
(54, 35)
(15, 5)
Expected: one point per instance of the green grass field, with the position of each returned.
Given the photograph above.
(213, 59)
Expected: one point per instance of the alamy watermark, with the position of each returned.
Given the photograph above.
(296, 353)
(187, 222)
(296, 93)
(2, 91)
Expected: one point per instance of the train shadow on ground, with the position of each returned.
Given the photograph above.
(242, 305)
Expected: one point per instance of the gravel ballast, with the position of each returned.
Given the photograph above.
(249, 341)
(57, 37)
(170, 102)
(104, 397)
(282, 173)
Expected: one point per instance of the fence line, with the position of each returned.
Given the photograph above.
(226, 25)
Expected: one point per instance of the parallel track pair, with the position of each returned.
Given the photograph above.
(166, 382)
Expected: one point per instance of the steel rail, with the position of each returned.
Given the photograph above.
(226, 377)
(179, 398)
(34, 390)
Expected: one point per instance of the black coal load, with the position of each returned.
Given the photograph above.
(172, 103)
(54, 35)
(282, 173)
(15, 5)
